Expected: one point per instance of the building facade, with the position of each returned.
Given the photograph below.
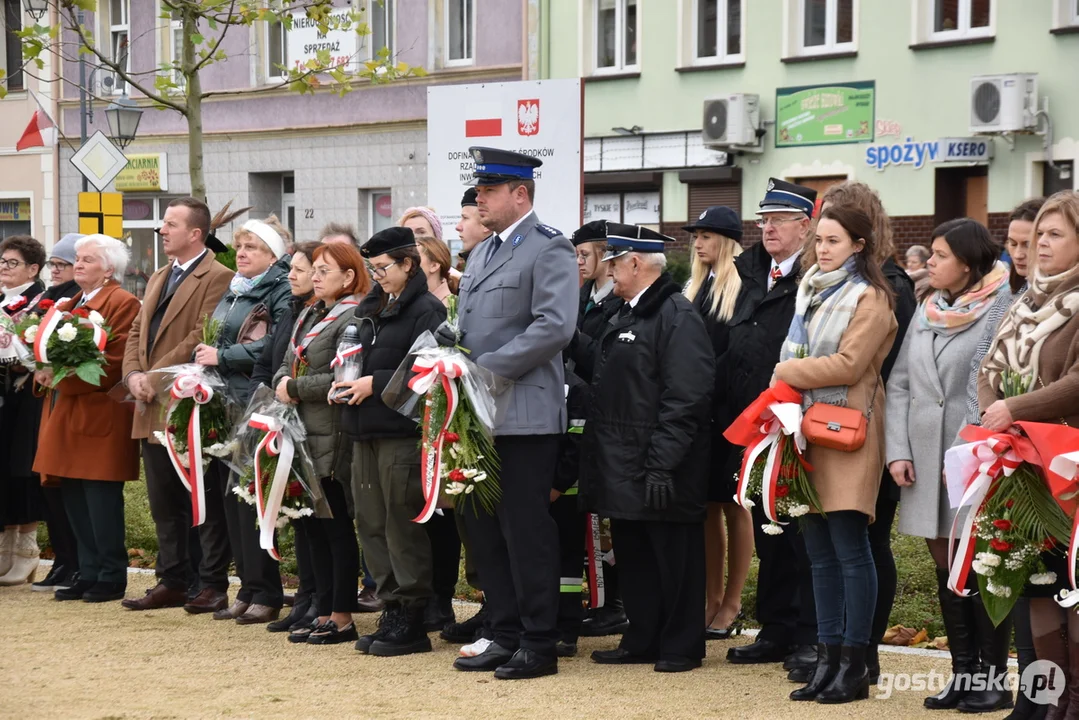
(880, 92)
(310, 159)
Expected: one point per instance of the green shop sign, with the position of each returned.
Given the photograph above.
(825, 114)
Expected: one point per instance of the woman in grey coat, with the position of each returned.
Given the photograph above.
(926, 408)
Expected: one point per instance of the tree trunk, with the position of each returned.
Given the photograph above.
(193, 86)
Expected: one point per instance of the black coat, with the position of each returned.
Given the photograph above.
(905, 305)
(273, 352)
(650, 406)
(387, 336)
(20, 414)
(569, 451)
(591, 324)
(756, 334)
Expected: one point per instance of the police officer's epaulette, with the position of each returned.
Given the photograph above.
(548, 230)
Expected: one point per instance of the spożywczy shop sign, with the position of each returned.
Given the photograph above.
(918, 154)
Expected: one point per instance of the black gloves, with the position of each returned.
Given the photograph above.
(658, 490)
(446, 336)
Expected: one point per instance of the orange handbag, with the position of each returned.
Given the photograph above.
(835, 427)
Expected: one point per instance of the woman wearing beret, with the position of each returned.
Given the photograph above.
(713, 288)
(386, 458)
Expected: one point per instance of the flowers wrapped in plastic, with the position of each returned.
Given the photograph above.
(70, 343)
(453, 399)
(13, 349)
(277, 473)
(774, 469)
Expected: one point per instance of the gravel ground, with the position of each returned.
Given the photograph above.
(74, 660)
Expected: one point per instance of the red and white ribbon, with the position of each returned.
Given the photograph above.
(340, 357)
(779, 419)
(276, 444)
(193, 386)
(51, 322)
(1067, 465)
(596, 593)
(429, 371)
(996, 456)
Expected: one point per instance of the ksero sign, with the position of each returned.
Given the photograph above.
(917, 154)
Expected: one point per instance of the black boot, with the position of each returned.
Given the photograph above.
(406, 636)
(958, 613)
(608, 620)
(467, 631)
(851, 681)
(824, 672)
(993, 645)
(299, 609)
(386, 621)
(872, 662)
(439, 614)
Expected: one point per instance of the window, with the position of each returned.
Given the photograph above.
(13, 77)
(174, 44)
(1065, 15)
(825, 27)
(118, 36)
(380, 18)
(616, 35)
(718, 30)
(276, 50)
(460, 32)
(634, 208)
(379, 210)
(950, 20)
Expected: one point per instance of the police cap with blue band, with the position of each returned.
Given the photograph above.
(495, 167)
(783, 196)
(622, 239)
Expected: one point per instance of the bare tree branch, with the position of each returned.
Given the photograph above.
(220, 38)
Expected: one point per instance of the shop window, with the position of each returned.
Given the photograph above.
(633, 208)
(821, 27)
(142, 216)
(718, 31)
(942, 21)
(12, 48)
(379, 210)
(1060, 177)
(14, 217)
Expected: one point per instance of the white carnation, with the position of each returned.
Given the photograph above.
(999, 590)
(160, 436)
(982, 569)
(798, 510)
(30, 334)
(470, 473)
(306, 512)
(748, 504)
(282, 521)
(469, 488)
(67, 332)
(480, 477)
(989, 559)
(772, 529)
(96, 318)
(1045, 578)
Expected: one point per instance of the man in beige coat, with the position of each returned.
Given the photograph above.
(165, 333)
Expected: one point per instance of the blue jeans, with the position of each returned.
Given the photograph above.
(844, 576)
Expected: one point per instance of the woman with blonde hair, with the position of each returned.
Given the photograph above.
(435, 263)
(422, 221)
(713, 288)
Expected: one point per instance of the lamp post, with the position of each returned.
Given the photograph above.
(123, 115)
(37, 8)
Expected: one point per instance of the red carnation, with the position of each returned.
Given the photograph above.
(1004, 525)
(1000, 545)
(294, 489)
(81, 312)
(782, 491)
(457, 475)
(1049, 543)
(452, 437)
(46, 304)
(172, 429)
(211, 435)
(1009, 504)
(251, 488)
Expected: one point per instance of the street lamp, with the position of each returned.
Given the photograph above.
(37, 8)
(123, 115)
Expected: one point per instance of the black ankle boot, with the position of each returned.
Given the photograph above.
(958, 613)
(872, 662)
(298, 611)
(851, 682)
(823, 673)
(406, 635)
(993, 644)
(386, 622)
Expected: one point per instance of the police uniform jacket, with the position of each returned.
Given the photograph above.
(650, 409)
(518, 311)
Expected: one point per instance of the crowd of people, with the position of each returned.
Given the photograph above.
(614, 464)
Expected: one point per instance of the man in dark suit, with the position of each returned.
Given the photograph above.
(518, 306)
(166, 331)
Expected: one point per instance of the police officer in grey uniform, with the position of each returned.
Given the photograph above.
(517, 310)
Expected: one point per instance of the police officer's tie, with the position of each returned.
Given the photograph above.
(496, 242)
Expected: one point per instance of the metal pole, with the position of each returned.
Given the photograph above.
(82, 105)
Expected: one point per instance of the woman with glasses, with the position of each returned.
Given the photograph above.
(254, 304)
(386, 459)
(339, 281)
(21, 260)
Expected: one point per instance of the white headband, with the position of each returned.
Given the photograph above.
(268, 235)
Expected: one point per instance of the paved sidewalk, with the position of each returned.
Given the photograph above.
(75, 660)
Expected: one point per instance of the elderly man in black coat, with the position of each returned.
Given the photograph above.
(644, 458)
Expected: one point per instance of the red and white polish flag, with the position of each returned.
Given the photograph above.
(41, 132)
(484, 120)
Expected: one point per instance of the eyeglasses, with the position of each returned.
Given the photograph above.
(322, 272)
(381, 271)
(58, 265)
(776, 222)
(12, 264)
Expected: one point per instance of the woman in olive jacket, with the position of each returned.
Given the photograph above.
(386, 472)
(306, 377)
(257, 299)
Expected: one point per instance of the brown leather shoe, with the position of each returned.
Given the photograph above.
(208, 600)
(368, 602)
(259, 615)
(231, 612)
(156, 598)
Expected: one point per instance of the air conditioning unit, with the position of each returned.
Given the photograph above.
(732, 120)
(1003, 103)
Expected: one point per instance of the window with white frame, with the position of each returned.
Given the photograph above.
(458, 40)
(119, 27)
(1065, 14)
(176, 46)
(948, 20)
(824, 26)
(615, 23)
(11, 46)
(718, 31)
(276, 50)
(380, 17)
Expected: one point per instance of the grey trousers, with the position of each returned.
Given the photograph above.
(387, 492)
